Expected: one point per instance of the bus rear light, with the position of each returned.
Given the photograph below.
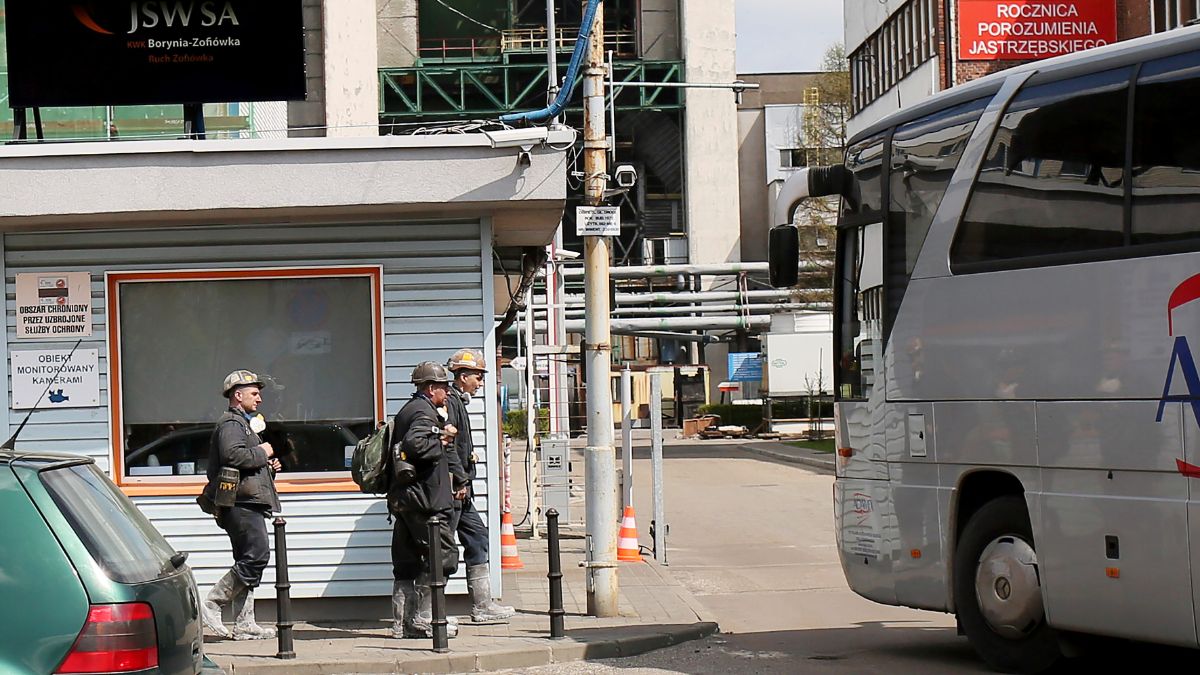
(1112, 572)
(845, 452)
(115, 639)
(915, 553)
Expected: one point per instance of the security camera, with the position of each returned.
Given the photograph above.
(564, 254)
(625, 175)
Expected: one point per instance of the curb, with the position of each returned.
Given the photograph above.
(814, 462)
(532, 655)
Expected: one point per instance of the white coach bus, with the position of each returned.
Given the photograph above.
(1018, 401)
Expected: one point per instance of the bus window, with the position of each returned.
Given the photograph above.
(866, 205)
(1166, 151)
(925, 154)
(859, 310)
(1052, 182)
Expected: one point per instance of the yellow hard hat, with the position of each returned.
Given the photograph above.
(467, 359)
(240, 378)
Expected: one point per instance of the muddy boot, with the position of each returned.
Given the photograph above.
(483, 608)
(246, 628)
(404, 608)
(220, 595)
(423, 619)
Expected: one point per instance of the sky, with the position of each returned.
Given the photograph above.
(785, 35)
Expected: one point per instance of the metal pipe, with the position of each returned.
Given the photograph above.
(704, 309)
(692, 85)
(437, 588)
(551, 59)
(689, 296)
(673, 323)
(599, 464)
(637, 271)
(626, 438)
(658, 524)
(593, 9)
(283, 597)
(554, 575)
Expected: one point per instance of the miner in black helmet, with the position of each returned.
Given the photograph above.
(419, 438)
(241, 494)
(469, 369)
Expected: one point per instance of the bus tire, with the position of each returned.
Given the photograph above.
(997, 590)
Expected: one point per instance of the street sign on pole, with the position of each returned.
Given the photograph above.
(599, 221)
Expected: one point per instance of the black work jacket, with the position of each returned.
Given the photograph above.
(416, 439)
(234, 444)
(463, 447)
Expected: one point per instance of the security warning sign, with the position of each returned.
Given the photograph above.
(55, 379)
(991, 30)
(54, 305)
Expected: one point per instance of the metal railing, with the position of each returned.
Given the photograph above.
(537, 40)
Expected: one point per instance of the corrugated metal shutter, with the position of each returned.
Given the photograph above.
(437, 279)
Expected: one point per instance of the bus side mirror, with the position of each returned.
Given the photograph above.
(783, 256)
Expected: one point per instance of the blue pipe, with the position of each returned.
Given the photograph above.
(564, 94)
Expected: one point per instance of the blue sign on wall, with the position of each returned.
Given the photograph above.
(745, 367)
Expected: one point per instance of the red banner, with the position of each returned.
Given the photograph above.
(991, 30)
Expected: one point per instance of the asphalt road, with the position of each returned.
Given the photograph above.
(753, 540)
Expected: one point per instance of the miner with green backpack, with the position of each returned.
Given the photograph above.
(419, 439)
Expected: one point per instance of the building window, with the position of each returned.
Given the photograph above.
(905, 41)
(313, 335)
(1168, 14)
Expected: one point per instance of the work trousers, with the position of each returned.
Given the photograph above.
(247, 530)
(410, 544)
(471, 532)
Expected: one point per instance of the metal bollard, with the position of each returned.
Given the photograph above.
(283, 597)
(557, 630)
(437, 587)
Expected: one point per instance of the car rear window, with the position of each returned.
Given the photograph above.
(118, 537)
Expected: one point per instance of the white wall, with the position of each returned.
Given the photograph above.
(864, 17)
(919, 85)
(351, 68)
(711, 133)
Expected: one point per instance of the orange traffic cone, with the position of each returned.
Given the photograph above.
(627, 543)
(509, 558)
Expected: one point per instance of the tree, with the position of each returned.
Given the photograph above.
(822, 136)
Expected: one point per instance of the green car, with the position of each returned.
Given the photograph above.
(87, 585)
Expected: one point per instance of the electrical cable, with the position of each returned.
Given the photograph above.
(477, 22)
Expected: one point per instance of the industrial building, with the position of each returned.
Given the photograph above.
(902, 51)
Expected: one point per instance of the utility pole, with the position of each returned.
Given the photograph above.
(600, 464)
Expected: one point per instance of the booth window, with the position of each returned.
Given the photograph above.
(312, 335)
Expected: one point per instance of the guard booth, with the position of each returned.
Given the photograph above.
(330, 267)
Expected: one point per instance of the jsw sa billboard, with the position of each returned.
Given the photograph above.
(134, 52)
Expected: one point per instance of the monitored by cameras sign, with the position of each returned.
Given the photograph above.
(993, 30)
(598, 221)
(55, 378)
(141, 52)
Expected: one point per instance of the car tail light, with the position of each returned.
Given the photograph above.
(115, 639)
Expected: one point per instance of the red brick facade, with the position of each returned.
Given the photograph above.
(1133, 20)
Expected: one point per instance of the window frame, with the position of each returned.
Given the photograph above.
(332, 481)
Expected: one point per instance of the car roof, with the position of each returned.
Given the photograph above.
(37, 457)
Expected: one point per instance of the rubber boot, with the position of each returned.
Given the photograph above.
(483, 608)
(423, 620)
(220, 595)
(245, 627)
(404, 608)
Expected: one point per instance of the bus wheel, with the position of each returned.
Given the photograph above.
(998, 592)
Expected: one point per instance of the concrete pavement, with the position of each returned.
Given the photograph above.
(656, 612)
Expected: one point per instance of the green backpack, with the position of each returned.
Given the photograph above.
(370, 465)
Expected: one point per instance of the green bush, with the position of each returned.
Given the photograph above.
(515, 422)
